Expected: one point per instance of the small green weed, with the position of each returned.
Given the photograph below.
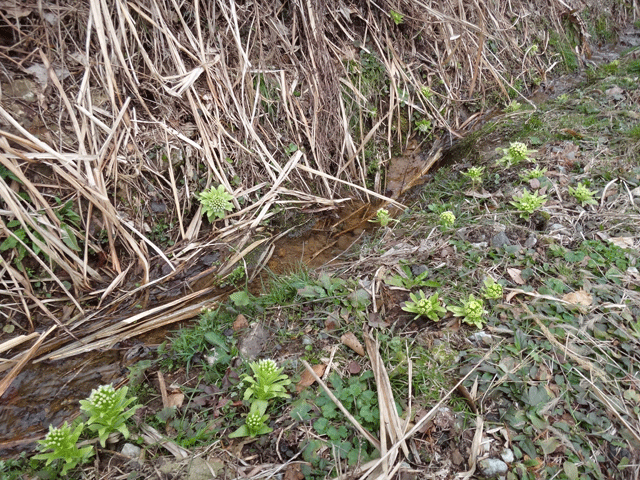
(471, 311)
(407, 280)
(475, 175)
(360, 400)
(515, 154)
(397, 18)
(205, 339)
(216, 202)
(422, 305)
(583, 195)
(536, 172)
(527, 203)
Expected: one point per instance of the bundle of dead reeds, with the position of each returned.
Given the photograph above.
(139, 105)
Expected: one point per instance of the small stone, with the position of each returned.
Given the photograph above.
(531, 241)
(507, 455)
(418, 269)
(457, 458)
(500, 240)
(556, 227)
(158, 207)
(130, 450)
(492, 467)
(482, 338)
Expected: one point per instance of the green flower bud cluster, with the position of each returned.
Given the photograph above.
(528, 203)
(383, 217)
(583, 195)
(471, 311)
(266, 383)
(423, 306)
(492, 290)
(516, 153)
(215, 202)
(474, 174)
(447, 219)
(62, 443)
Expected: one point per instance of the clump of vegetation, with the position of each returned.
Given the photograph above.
(62, 442)
(515, 154)
(447, 219)
(106, 409)
(425, 306)
(216, 202)
(475, 175)
(528, 202)
(472, 311)
(583, 195)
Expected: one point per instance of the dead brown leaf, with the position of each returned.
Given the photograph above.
(622, 242)
(515, 275)
(307, 379)
(350, 340)
(240, 323)
(579, 297)
(175, 399)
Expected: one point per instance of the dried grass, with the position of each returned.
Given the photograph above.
(153, 101)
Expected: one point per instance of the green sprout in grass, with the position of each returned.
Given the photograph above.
(216, 202)
(492, 290)
(62, 441)
(422, 306)
(447, 219)
(474, 174)
(268, 381)
(583, 195)
(397, 18)
(536, 172)
(255, 424)
(383, 217)
(516, 153)
(106, 408)
(528, 203)
(423, 126)
(471, 311)
(426, 92)
(513, 106)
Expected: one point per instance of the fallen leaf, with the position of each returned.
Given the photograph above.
(474, 194)
(375, 321)
(240, 323)
(332, 322)
(514, 273)
(175, 399)
(579, 297)
(307, 379)
(350, 340)
(294, 472)
(622, 242)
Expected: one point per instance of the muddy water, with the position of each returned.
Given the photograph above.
(48, 393)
